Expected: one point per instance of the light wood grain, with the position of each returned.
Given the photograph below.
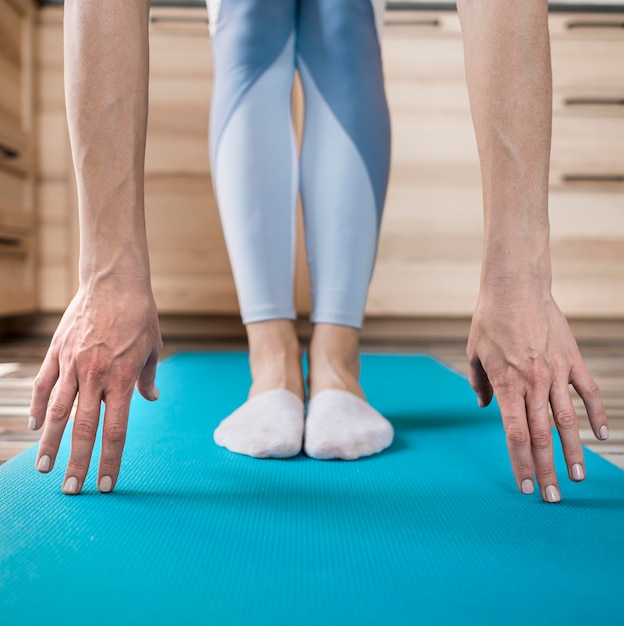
(17, 171)
(429, 252)
(17, 273)
(56, 204)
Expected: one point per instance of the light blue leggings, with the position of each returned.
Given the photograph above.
(345, 155)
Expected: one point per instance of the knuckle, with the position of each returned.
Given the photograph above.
(524, 469)
(536, 376)
(115, 434)
(40, 384)
(565, 419)
(85, 429)
(592, 390)
(109, 460)
(96, 371)
(124, 379)
(547, 476)
(78, 466)
(517, 437)
(541, 439)
(58, 412)
(506, 383)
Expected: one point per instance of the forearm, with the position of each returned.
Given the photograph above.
(508, 71)
(106, 87)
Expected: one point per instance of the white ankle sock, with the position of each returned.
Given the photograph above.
(340, 425)
(267, 425)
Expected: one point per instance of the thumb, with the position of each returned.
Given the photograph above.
(480, 382)
(145, 383)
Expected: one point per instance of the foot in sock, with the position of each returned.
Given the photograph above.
(268, 425)
(341, 425)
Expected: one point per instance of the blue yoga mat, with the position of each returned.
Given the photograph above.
(432, 531)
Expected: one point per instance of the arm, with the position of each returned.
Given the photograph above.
(109, 337)
(520, 345)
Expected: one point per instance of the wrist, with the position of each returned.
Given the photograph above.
(117, 275)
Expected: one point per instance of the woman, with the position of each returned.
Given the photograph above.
(342, 175)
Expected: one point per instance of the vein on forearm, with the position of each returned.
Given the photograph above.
(106, 67)
(510, 87)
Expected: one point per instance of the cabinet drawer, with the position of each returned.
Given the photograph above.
(587, 50)
(190, 268)
(16, 203)
(17, 273)
(592, 145)
(587, 250)
(429, 254)
(180, 92)
(11, 62)
(16, 91)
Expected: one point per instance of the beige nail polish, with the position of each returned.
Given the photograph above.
(71, 485)
(577, 472)
(527, 486)
(106, 484)
(604, 432)
(44, 463)
(32, 423)
(552, 494)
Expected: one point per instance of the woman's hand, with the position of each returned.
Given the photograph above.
(521, 349)
(108, 341)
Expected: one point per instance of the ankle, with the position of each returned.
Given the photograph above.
(274, 357)
(334, 359)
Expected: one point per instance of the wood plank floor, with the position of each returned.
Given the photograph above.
(20, 360)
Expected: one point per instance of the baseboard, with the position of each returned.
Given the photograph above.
(375, 329)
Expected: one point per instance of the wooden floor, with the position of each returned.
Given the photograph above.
(20, 360)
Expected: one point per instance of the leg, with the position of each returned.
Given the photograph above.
(345, 162)
(255, 178)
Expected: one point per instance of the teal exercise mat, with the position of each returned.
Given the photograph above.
(432, 531)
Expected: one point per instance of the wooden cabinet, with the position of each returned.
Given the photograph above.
(190, 268)
(17, 205)
(57, 266)
(587, 164)
(430, 249)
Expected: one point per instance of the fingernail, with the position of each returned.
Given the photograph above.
(155, 393)
(32, 423)
(106, 484)
(577, 472)
(552, 494)
(71, 485)
(604, 432)
(44, 463)
(481, 403)
(527, 486)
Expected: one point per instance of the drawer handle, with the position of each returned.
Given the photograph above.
(593, 178)
(592, 24)
(10, 242)
(184, 19)
(432, 23)
(8, 153)
(594, 102)
(13, 246)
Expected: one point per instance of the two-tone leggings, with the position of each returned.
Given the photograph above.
(342, 171)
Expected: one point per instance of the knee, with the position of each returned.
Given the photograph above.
(249, 33)
(342, 34)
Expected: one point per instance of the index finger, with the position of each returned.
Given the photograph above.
(42, 389)
(589, 391)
